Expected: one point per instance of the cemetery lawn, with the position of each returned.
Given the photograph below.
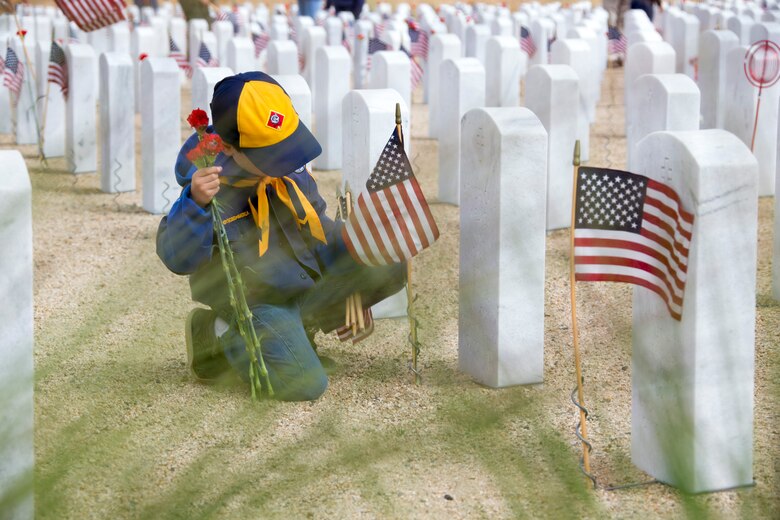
(122, 430)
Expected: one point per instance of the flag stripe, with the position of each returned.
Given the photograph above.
(381, 237)
(661, 274)
(400, 215)
(397, 224)
(431, 229)
(669, 216)
(358, 244)
(670, 193)
(379, 248)
(382, 211)
(681, 259)
(420, 235)
(597, 277)
(606, 246)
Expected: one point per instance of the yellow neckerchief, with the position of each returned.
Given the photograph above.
(260, 213)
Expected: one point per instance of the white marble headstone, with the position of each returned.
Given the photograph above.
(461, 88)
(240, 55)
(646, 58)
(476, 37)
(442, 47)
(332, 84)
(660, 102)
(80, 117)
(501, 295)
(714, 45)
(576, 54)
(160, 133)
(369, 120)
(17, 455)
(203, 81)
(505, 64)
(282, 57)
(117, 123)
(391, 69)
(552, 93)
(692, 380)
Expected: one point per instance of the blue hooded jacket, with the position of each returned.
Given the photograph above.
(293, 262)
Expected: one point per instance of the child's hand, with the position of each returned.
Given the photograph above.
(205, 184)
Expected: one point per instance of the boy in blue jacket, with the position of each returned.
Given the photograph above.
(293, 261)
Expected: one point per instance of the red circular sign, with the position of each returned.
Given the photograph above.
(762, 63)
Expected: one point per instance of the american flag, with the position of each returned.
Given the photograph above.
(234, 17)
(181, 60)
(58, 68)
(391, 221)
(416, 72)
(630, 228)
(261, 41)
(91, 15)
(616, 42)
(13, 72)
(419, 39)
(205, 59)
(527, 41)
(374, 45)
(344, 333)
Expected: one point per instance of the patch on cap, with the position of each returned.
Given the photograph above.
(275, 120)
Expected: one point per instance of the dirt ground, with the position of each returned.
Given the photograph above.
(122, 431)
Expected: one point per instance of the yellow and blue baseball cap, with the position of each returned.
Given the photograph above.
(252, 112)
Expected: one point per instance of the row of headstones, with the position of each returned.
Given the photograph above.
(726, 97)
(715, 60)
(504, 152)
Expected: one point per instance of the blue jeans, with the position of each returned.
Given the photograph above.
(294, 369)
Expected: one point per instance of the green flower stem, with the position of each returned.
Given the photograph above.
(257, 369)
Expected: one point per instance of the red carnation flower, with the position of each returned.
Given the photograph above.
(196, 154)
(21, 33)
(199, 120)
(212, 144)
(142, 56)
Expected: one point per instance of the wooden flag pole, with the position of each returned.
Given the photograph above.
(577, 365)
(409, 298)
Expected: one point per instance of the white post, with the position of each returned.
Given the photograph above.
(80, 120)
(117, 123)
(391, 69)
(692, 380)
(17, 455)
(369, 117)
(461, 88)
(160, 133)
(501, 318)
(552, 93)
(661, 102)
(442, 47)
(505, 64)
(282, 57)
(332, 84)
(713, 47)
(203, 81)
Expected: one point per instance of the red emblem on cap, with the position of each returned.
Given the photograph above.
(275, 120)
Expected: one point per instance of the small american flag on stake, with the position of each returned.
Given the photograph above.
(416, 72)
(391, 221)
(374, 45)
(629, 228)
(58, 68)
(418, 39)
(616, 42)
(181, 60)
(205, 59)
(527, 41)
(13, 73)
(91, 15)
(260, 41)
